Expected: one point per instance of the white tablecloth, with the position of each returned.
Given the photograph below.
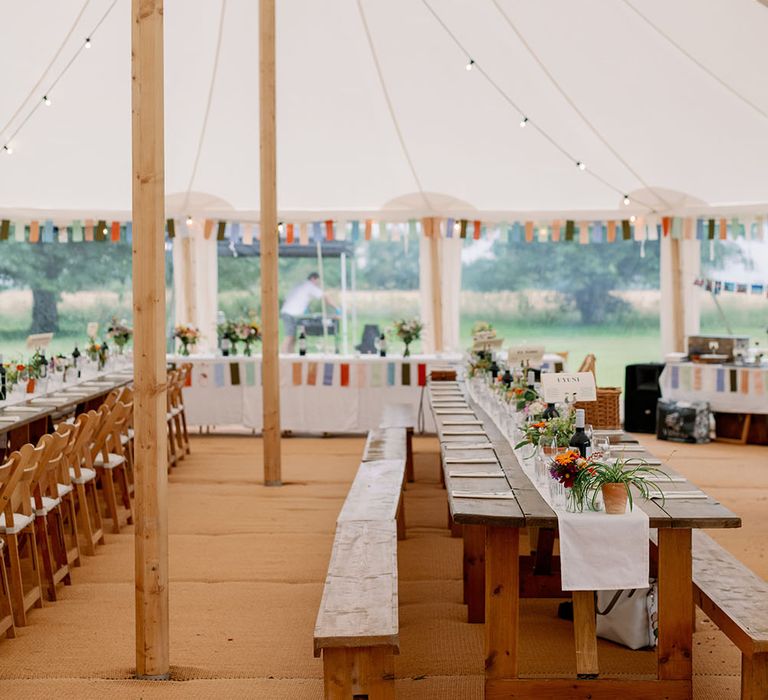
(727, 389)
(318, 393)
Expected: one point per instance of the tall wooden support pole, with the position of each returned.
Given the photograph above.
(432, 231)
(678, 310)
(269, 243)
(151, 512)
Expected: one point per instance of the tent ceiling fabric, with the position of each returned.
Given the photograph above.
(338, 148)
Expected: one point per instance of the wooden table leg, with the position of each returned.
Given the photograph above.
(585, 632)
(502, 598)
(675, 601)
(474, 572)
(409, 455)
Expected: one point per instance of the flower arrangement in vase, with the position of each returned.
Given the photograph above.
(408, 330)
(249, 333)
(187, 336)
(544, 432)
(121, 333)
(573, 471)
(93, 349)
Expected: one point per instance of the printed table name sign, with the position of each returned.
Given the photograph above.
(519, 354)
(579, 386)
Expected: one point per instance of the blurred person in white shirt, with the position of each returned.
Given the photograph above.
(296, 304)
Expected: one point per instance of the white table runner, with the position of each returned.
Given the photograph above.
(597, 551)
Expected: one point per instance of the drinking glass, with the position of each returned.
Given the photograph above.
(603, 445)
(556, 493)
(589, 431)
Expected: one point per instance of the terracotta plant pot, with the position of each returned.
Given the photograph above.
(615, 498)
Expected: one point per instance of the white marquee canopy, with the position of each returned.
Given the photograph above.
(665, 101)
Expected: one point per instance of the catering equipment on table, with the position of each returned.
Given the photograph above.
(313, 324)
(683, 421)
(719, 348)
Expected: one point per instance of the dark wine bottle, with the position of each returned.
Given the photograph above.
(507, 378)
(302, 342)
(580, 439)
(382, 345)
(76, 360)
(550, 412)
(3, 385)
(494, 369)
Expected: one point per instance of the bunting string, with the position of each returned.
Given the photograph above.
(636, 228)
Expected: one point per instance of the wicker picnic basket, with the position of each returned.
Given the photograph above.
(603, 414)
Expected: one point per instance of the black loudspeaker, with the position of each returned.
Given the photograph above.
(641, 392)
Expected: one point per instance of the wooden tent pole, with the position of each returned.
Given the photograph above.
(436, 289)
(678, 310)
(151, 513)
(269, 245)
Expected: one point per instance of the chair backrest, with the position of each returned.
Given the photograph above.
(53, 461)
(31, 461)
(588, 365)
(122, 413)
(10, 474)
(80, 434)
(102, 432)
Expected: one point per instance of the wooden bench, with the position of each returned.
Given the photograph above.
(357, 628)
(376, 494)
(401, 415)
(736, 600)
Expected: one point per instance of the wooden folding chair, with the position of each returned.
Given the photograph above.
(83, 480)
(108, 460)
(178, 400)
(63, 486)
(126, 436)
(176, 448)
(6, 608)
(17, 527)
(46, 504)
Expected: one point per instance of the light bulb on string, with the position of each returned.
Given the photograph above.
(580, 165)
(523, 122)
(88, 43)
(470, 63)
(633, 218)
(626, 200)
(190, 221)
(8, 149)
(47, 100)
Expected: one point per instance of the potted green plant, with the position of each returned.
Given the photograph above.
(615, 481)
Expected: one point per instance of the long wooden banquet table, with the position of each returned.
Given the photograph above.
(497, 576)
(28, 420)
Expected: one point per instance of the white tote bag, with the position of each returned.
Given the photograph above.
(629, 617)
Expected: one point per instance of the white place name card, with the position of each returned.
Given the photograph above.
(519, 354)
(579, 386)
(39, 341)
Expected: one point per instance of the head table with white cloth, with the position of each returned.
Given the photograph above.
(318, 393)
(727, 388)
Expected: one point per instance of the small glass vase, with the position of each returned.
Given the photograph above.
(247, 350)
(184, 349)
(574, 500)
(407, 351)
